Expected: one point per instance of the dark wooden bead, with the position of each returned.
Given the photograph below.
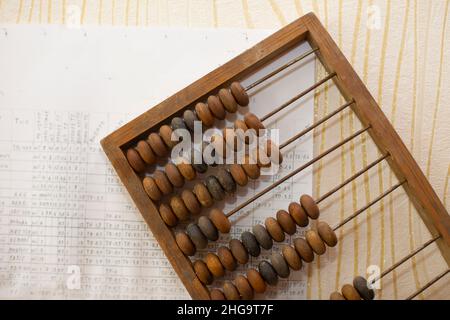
(174, 175)
(202, 272)
(214, 265)
(197, 161)
(253, 122)
(208, 228)
(286, 222)
(274, 229)
(262, 236)
(304, 250)
(256, 281)
(189, 117)
(327, 234)
(279, 264)
(135, 160)
(310, 206)
(250, 243)
(163, 182)
(349, 292)
(186, 170)
(226, 258)
(214, 188)
(360, 285)
(216, 107)
(217, 294)
(244, 287)
(146, 153)
(220, 220)
(203, 195)
(238, 174)
(179, 208)
(336, 296)
(315, 242)
(298, 214)
(230, 291)
(190, 201)
(251, 168)
(157, 144)
(177, 123)
(197, 236)
(240, 129)
(292, 257)
(167, 215)
(152, 189)
(238, 250)
(239, 94)
(226, 180)
(185, 243)
(228, 100)
(268, 273)
(273, 152)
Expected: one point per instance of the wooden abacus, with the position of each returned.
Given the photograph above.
(140, 142)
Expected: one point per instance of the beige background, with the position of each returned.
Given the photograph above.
(401, 50)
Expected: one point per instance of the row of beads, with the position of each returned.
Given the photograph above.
(359, 290)
(158, 144)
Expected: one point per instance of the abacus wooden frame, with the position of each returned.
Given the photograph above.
(384, 135)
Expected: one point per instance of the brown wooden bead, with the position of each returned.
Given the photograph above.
(239, 94)
(190, 201)
(350, 293)
(186, 170)
(228, 100)
(238, 251)
(230, 291)
(256, 281)
(286, 222)
(251, 168)
(167, 215)
(165, 131)
(174, 175)
(310, 206)
(185, 243)
(202, 272)
(327, 234)
(315, 242)
(163, 182)
(203, 195)
(146, 153)
(274, 229)
(220, 146)
(208, 229)
(336, 296)
(220, 220)
(292, 258)
(226, 258)
(152, 189)
(238, 174)
(204, 114)
(244, 287)
(135, 160)
(214, 265)
(179, 208)
(216, 107)
(304, 250)
(253, 122)
(241, 128)
(217, 294)
(298, 214)
(231, 139)
(157, 144)
(273, 152)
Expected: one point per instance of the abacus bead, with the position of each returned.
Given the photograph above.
(177, 123)
(268, 273)
(207, 228)
(280, 265)
(190, 201)
(228, 100)
(179, 208)
(217, 294)
(214, 265)
(189, 117)
(196, 235)
(174, 175)
(304, 250)
(185, 243)
(286, 222)
(262, 236)
(231, 139)
(244, 287)
(197, 161)
(239, 94)
(202, 272)
(253, 122)
(251, 169)
(238, 174)
(327, 234)
(226, 258)
(163, 182)
(274, 229)
(316, 243)
(238, 251)
(146, 152)
(360, 285)
(214, 188)
(230, 291)
(151, 189)
(336, 296)
(135, 160)
(256, 281)
(310, 206)
(187, 171)
(292, 257)
(250, 243)
(157, 144)
(350, 293)
(226, 180)
(298, 214)
(167, 215)
(165, 132)
(203, 195)
(220, 220)
(216, 107)
(204, 114)
(273, 152)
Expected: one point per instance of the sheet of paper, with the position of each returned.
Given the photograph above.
(68, 229)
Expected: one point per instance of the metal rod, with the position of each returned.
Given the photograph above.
(357, 213)
(429, 284)
(284, 66)
(277, 183)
